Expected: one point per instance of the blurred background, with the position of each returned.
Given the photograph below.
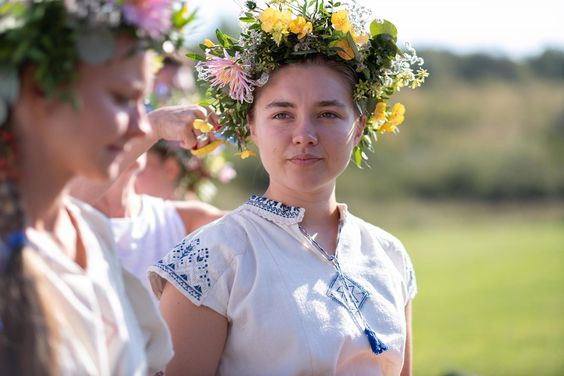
(473, 185)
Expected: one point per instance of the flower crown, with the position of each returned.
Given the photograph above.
(54, 35)
(288, 31)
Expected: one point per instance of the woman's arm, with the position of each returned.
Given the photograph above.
(408, 354)
(198, 334)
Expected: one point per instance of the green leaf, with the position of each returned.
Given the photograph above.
(386, 27)
(179, 20)
(247, 19)
(195, 57)
(352, 45)
(357, 156)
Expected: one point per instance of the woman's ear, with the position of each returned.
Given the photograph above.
(359, 129)
(32, 102)
(251, 124)
(171, 168)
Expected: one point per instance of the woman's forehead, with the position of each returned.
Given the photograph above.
(318, 82)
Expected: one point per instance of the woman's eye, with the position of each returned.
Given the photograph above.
(125, 101)
(281, 116)
(329, 115)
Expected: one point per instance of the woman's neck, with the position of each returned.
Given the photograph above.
(321, 217)
(42, 202)
(121, 200)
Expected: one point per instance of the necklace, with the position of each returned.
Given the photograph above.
(348, 293)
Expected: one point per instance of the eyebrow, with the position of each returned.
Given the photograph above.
(136, 86)
(280, 104)
(325, 103)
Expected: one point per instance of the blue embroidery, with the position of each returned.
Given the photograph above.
(343, 289)
(187, 265)
(274, 207)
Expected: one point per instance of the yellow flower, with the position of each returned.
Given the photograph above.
(301, 27)
(396, 118)
(398, 110)
(346, 51)
(380, 112)
(340, 21)
(207, 149)
(287, 17)
(246, 154)
(208, 43)
(360, 39)
(202, 126)
(268, 18)
(184, 11)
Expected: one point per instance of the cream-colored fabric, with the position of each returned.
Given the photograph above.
(142, 240)
(99, 332)
(284, 304)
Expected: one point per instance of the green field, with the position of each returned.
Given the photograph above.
(491, 297)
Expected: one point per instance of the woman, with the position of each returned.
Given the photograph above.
(74, 76)
(291, 283)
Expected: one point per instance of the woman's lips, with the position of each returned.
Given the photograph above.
(305, 159)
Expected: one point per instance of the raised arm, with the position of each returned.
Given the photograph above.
(173, 123)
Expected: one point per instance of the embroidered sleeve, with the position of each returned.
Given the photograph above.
(197, 269)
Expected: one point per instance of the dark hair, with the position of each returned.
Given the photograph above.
(25, 335)
(344, 70)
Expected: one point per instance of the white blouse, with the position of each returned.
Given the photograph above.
(142, 240)
(105, 321)
(289, 311)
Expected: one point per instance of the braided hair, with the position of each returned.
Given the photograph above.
(24, 330)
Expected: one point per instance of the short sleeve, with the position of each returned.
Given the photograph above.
(399, 256)
(199, 267)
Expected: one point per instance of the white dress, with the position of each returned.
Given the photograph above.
(104, 319)
(289, 311)
(142, 240)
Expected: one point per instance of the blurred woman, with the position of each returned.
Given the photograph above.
(74, 75)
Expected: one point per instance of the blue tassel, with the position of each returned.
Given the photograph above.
(377, 346)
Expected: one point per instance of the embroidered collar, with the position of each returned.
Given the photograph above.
(275, 211)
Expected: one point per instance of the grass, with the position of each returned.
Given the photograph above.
(491, 298)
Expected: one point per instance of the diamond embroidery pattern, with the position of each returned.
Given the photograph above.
(274, 207)
(348, 293)
(188, 266)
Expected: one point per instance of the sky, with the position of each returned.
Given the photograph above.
(513, 28)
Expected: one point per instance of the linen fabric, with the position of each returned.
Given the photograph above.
(104, 321)
(142, 240)
(285, 309)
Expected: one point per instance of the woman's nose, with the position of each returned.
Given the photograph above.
(305, 133)
(139, 125)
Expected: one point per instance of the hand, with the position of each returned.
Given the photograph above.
(176, 123)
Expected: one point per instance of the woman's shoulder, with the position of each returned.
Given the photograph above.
(202, 263)
(222, 240)
(385, 238)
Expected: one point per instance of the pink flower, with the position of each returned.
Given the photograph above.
(152, 16)
(226, 174)
(221, 72)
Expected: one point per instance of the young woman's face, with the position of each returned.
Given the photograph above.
(90, 140)
(158, 176)
(305, 127)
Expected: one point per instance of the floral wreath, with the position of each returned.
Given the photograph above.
(287, 31)
(54, 36)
